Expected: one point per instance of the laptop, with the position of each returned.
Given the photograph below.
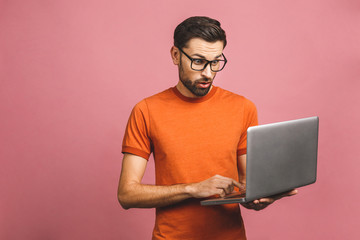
(280, 157)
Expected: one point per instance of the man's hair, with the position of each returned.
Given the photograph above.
(205, 28)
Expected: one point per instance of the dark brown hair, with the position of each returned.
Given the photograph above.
(205, 28)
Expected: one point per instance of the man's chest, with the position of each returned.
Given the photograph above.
(202, 128)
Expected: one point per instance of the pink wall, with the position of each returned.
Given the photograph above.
(71, 70)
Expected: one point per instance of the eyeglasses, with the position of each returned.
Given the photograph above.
(199, 64)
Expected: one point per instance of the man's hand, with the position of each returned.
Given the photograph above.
(262, 203)
(214, 185)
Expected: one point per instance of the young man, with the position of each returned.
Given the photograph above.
(197, 134)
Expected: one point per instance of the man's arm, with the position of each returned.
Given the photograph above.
(133, 194)
(242, 168)
(261, 203)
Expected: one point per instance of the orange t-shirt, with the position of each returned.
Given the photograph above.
(192, 140)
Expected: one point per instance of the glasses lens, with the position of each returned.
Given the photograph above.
(199, 65)
(217, 65)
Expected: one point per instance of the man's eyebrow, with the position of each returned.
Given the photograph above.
(201, 56)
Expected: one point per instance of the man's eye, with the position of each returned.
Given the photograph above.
(198, 61)
(215, 62)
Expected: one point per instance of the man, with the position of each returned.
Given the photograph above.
(197, 134)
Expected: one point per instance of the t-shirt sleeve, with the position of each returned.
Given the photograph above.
(250, 119)
(136, 138)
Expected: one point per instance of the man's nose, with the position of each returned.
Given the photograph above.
(207, 71)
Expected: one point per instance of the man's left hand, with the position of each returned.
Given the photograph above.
(262, 203)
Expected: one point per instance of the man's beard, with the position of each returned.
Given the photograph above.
(192, 86)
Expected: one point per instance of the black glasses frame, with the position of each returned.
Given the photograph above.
(207, 62)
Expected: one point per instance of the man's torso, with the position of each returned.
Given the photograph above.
(193, 140)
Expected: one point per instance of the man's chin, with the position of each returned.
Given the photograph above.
(200, 88)
(200, 92)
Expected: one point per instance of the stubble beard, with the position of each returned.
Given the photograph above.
(192, 86)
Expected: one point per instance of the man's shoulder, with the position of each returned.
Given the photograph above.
(234, 97)
(163, 96)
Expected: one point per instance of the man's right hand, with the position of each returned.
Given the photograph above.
(214, 185)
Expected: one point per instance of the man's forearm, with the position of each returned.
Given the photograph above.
(138, 195)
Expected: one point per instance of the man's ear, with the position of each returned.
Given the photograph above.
(175, 55)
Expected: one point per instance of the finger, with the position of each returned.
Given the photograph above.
(225, 185)
(287, 194)
(243, 188)
(266, 200)
(277, 197)
(221, 192)
(230, 180)
(293, 192)
(237, 184)
(228, 184)
(229, 189)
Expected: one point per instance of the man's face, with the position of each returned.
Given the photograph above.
(198, 83)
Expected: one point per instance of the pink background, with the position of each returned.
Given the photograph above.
(71, 71)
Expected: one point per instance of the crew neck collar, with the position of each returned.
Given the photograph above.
(195, 100)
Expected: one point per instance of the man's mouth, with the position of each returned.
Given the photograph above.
(204, 84)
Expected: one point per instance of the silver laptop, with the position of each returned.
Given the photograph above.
(280, 157)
